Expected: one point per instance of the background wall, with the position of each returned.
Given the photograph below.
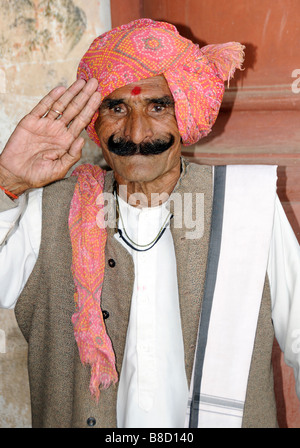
(259, 119)
(41, 43)
(260, 116)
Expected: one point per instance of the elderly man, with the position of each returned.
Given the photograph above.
(147, 294)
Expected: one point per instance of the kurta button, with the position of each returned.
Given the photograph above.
(105, 314)
(111, 263)
(91, 421)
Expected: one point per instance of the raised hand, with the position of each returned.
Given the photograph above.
(47, 143)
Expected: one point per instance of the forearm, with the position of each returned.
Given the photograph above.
(20, 233)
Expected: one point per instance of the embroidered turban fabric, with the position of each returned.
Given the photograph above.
(146, 48)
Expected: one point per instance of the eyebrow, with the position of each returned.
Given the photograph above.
(111, 103)
(166, 100)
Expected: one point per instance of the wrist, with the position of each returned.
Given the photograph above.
(10, 184)
(9, 193)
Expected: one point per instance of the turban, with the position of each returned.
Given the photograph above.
(145, 48)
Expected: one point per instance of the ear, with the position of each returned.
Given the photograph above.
(97, 123)
(226, 57)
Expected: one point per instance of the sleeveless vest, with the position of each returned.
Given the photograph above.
(59, 383)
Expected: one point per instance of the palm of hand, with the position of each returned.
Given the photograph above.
(37, 147)
(43, 148)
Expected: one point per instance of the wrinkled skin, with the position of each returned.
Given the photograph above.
(141, 112)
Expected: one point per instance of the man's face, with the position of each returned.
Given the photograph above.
(138, 131)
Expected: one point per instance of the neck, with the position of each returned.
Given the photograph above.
(148, 194)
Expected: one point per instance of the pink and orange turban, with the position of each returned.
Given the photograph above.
(146, 48)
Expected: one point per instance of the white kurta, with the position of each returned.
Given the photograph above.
(153, 389)
(20, 233)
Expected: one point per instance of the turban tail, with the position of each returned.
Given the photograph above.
(88, 238)
(145, 48)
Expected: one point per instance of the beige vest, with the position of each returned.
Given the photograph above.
(59, 383)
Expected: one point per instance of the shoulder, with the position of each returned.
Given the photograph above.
(196, 169)
(195, 176)
(60, 191)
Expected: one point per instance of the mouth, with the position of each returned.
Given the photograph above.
(125, 148)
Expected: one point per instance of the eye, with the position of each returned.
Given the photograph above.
(158, 108)
(117, 109)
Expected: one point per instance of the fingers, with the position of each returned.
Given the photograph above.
(75, 150)
(66, 101)
(46, 103)
(86, 114)
(73, 100)
(74, 106)
(73, 155)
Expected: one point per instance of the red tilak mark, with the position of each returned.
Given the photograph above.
(136, 90)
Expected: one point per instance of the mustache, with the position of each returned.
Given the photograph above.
(122, 147)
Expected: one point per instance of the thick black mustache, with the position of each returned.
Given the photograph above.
(123, 147)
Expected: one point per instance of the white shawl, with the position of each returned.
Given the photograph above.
(227, 330)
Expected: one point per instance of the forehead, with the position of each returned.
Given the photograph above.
(154, 87)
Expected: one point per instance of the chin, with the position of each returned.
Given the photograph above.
(143, 168)
(138, 168)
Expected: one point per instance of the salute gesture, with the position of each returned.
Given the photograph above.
(47, 143)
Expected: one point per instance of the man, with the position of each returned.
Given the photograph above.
(147, 293)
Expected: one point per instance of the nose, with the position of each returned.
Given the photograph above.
(137, 127)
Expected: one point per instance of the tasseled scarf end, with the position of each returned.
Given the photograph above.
(227, 58)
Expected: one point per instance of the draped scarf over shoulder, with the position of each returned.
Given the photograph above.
(88, 239)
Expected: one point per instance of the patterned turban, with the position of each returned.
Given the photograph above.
(145, 48)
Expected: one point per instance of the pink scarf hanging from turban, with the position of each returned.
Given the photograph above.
(88, 239)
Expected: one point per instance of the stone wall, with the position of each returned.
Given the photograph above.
(41, 43)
